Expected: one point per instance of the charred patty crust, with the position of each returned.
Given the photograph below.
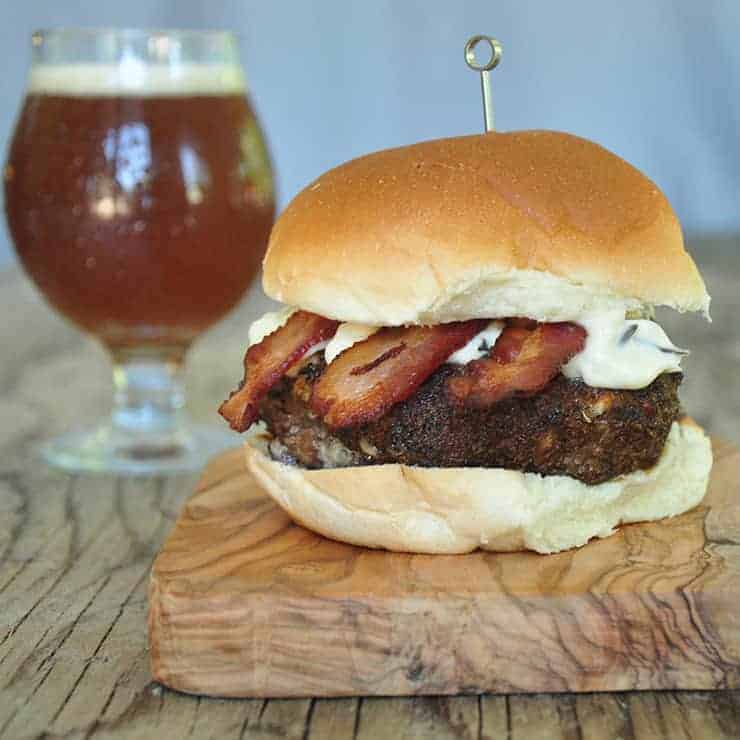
(569, 428)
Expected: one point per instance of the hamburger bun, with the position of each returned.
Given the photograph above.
(457, 510)
(539, 224)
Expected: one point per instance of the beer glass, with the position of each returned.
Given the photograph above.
(139, 196)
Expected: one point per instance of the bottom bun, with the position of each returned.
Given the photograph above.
(457, 510)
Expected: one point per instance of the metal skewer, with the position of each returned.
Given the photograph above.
(484, 69)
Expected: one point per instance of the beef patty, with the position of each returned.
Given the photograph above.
(569, 428)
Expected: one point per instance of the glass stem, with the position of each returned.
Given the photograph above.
(149, 396)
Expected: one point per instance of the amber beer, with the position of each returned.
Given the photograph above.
(142, 216)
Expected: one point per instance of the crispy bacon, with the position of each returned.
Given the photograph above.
(266, 362)
(509, 344)
(371, 376)
(523, 361)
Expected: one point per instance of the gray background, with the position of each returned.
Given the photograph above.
(654, 80)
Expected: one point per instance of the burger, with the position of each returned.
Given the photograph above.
(468, 357)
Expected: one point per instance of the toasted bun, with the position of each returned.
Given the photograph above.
(456, 510)
(528, 223)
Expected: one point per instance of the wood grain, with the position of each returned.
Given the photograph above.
(47, 520)
(245, 603)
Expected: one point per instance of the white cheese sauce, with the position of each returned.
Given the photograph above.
(345, 337)
(623, 353)
(619, 353)
(268, 323)
(479, 346)
(320, 347)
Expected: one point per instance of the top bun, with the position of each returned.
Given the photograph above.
(529, 223)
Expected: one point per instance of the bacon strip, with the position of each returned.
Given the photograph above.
(522, 361)
(371, 376)
(266, 362)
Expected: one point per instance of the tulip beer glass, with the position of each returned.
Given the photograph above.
(139, 197)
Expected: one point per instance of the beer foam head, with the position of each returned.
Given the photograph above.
(136, 79)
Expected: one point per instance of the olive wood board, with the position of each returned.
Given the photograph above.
(245, 603)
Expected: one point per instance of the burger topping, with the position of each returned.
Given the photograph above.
(370, 369)
(365, 381)
(623, 353)
(268, 323)
(346, 336)
(479, 346)
(619, 352)
(523, 361)
(266, 362)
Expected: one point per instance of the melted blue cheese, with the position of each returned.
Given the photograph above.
(623, 353)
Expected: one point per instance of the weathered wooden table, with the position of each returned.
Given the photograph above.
(75, 553)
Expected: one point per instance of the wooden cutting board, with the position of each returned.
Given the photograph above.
(245, 603)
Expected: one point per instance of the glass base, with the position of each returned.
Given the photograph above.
(107, 450)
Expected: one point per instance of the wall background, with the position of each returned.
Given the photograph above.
(657, 81)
